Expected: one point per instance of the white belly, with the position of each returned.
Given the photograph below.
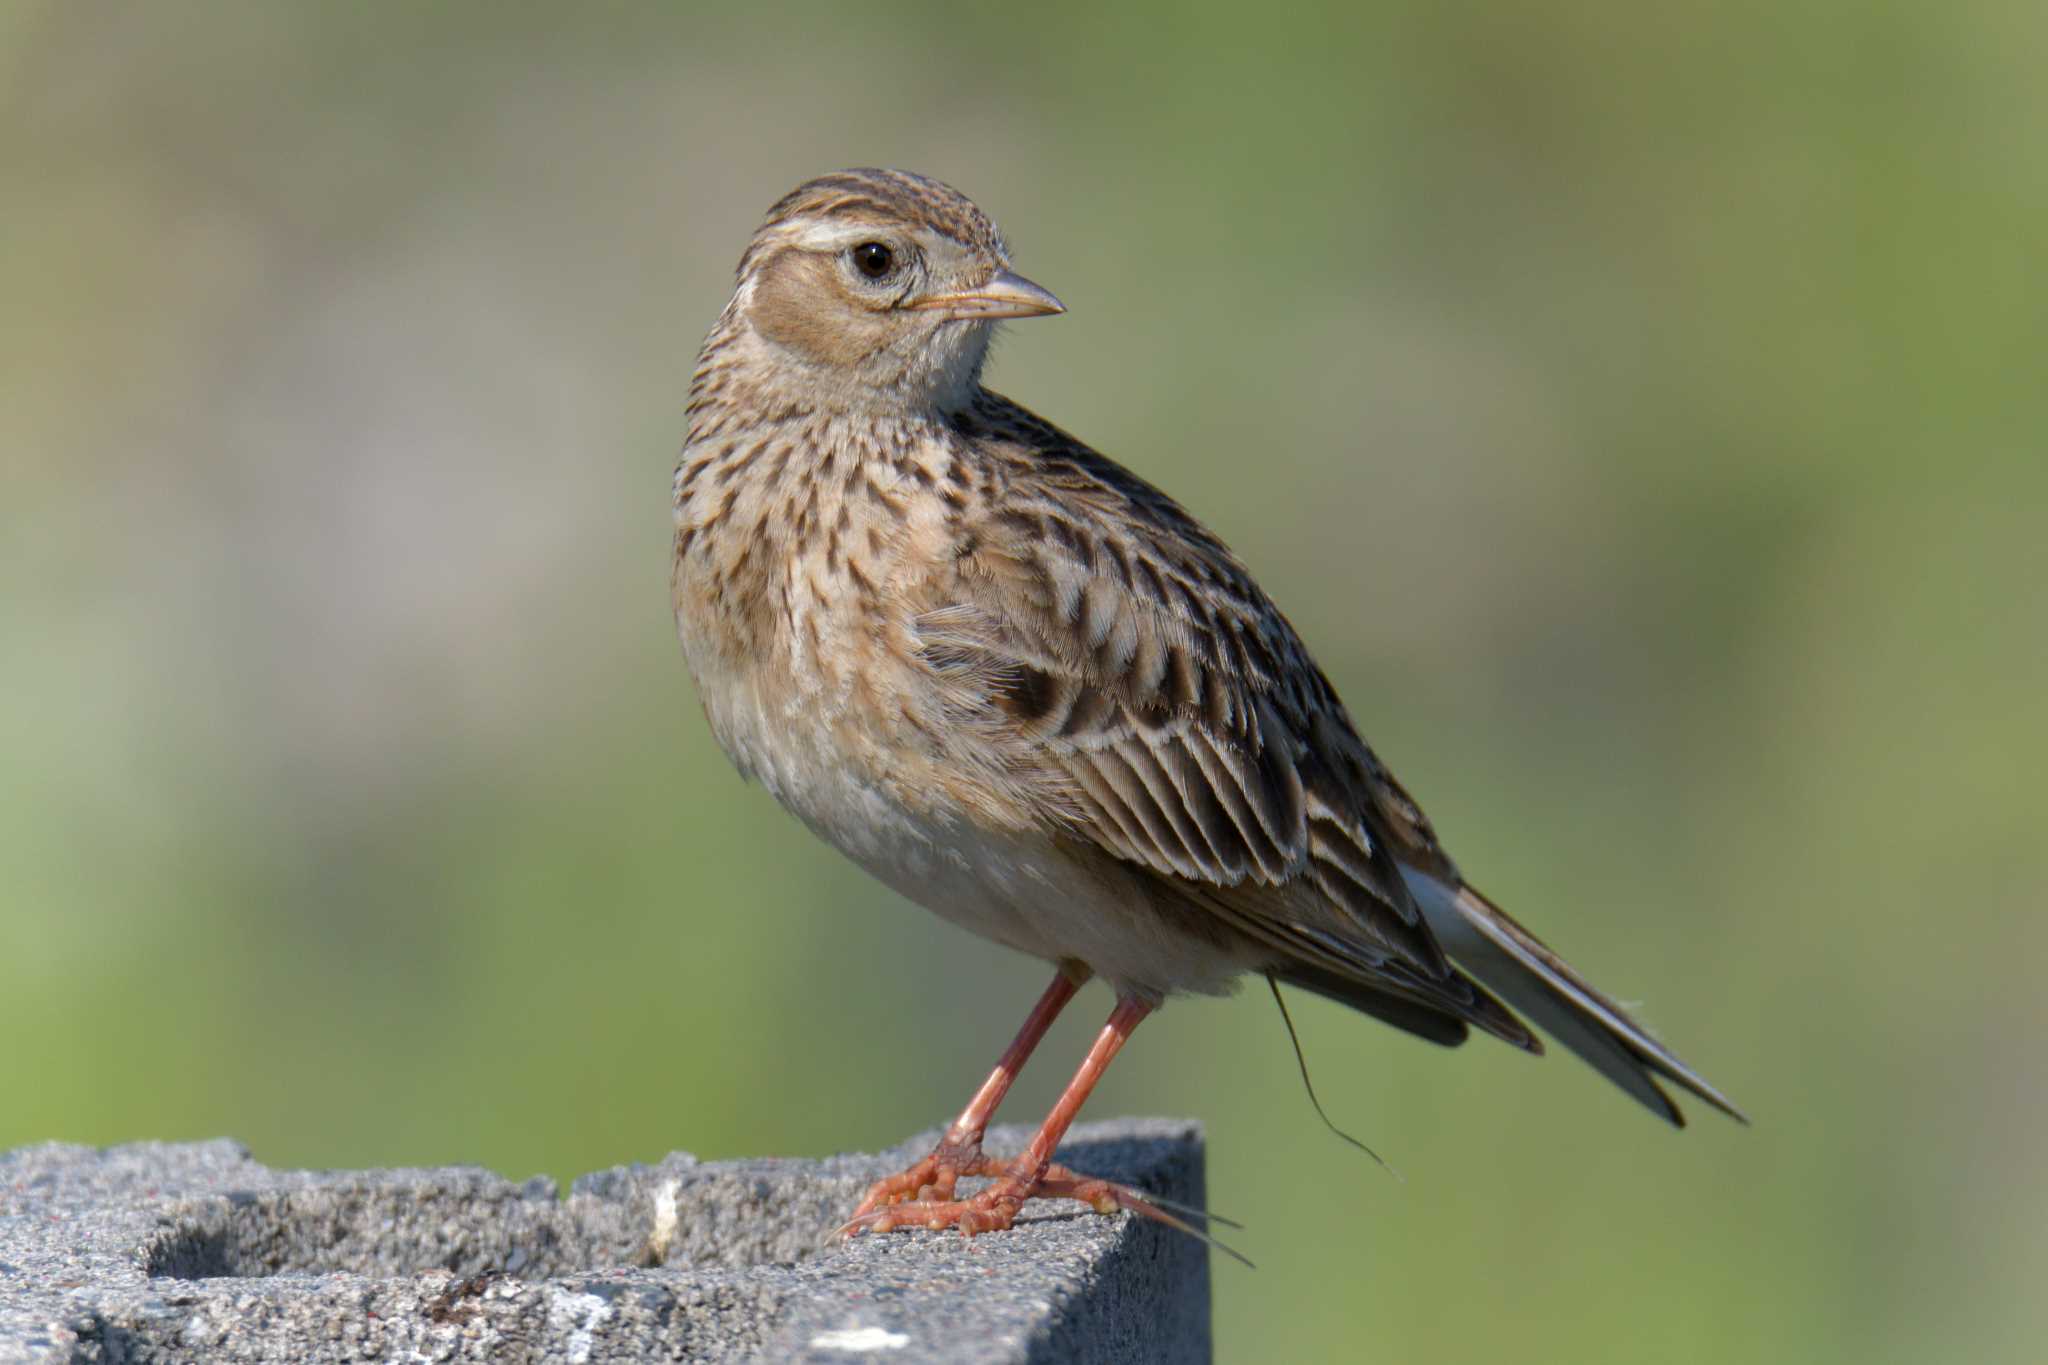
(1018, 890)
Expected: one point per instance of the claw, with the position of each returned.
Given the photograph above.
(889, 1207)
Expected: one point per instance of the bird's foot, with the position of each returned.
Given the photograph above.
(931, 1180)
(922, 1197)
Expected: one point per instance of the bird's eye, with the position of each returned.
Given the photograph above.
(874, 260)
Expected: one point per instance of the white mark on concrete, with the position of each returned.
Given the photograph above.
(667, 1218)
(860, 1339)
(579, 1315)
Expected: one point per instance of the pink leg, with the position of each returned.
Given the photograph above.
(959, 1151)
(1123, 1020)
(974, 1119)
(1032, 1174)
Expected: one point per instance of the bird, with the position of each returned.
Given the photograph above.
(1026, 689)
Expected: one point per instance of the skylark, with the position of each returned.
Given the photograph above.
(1023, 687)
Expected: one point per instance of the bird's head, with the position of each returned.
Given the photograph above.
(878, 289)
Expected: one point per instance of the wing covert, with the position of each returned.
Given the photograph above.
(1145, 697)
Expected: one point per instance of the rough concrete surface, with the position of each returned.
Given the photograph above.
(196, 1252)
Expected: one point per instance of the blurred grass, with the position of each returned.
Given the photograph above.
(1638, 408)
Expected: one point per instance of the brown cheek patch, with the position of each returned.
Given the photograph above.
(802, 304)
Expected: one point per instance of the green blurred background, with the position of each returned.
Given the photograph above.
(1638, 408)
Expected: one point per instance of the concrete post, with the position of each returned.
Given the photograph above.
(193, 1251)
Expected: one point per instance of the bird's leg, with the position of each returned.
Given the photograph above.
(959, 1151)
(1032, 1174)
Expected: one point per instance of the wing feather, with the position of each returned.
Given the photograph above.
(1148, 699)
(1145, 699)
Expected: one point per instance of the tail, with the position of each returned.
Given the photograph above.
(1516, 966)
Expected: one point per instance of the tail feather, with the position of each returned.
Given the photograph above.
(1438, 1027)
(1440, 1018)
(1485, 941)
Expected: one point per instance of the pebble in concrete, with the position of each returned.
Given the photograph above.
(196, 1252)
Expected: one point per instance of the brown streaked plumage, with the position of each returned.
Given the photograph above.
(1024, 687)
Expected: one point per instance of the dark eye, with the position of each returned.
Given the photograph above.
(874, 260)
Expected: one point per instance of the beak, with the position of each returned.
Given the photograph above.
(1004, 296)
